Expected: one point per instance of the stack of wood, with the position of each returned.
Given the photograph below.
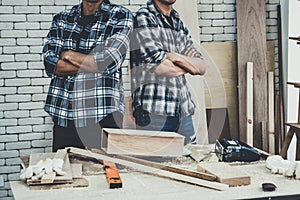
(72, 177)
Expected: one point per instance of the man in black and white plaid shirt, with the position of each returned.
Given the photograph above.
(162, 52)
(83, 54)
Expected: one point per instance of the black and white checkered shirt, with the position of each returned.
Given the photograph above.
(153, 37)
(88, 95)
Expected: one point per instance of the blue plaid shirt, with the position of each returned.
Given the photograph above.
(88, 96)
(153, 37)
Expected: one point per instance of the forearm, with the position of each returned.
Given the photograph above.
(64, 68)
(85, 62)
(193, 65)
(167, 68)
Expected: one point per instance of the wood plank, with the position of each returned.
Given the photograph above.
(250, 103)
(264, 136)
(251, 46)
(77, 183)
(221, 83)
(142, 142)
(280, 132)
(271, 113)
(151, 170)
(35, 158)
(225, 173)
(187, 172)
(287, 141)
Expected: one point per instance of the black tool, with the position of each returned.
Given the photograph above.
(230, 150)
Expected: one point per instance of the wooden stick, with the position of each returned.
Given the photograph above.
(250, 103)
(264, 136)
(271, 118)
(187, 172)
(151, 170)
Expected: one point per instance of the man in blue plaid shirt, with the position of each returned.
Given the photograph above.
(162, 52)
(83, 54)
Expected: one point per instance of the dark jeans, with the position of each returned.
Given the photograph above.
(84, 137)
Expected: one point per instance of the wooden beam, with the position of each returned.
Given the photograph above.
(151, 170)
(187, 172)
(250, 103)
(225, 173)
(271, 113)
(142, 142)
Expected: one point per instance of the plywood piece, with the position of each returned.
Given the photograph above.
(249, 103)
(151, 170)
(251, 46)
(77, 183)
(35, 158)
(225, 173)
(141, 142)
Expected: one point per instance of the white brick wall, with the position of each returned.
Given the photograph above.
(24, 126)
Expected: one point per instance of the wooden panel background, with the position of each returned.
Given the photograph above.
(221, 77)
(251, 46)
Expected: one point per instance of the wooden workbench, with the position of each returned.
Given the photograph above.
(145, 187)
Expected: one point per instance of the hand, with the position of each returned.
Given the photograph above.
(65, 55)
(168, 69)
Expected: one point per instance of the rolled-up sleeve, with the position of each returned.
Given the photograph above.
(148, 41)
(52, 47)
(110, 54)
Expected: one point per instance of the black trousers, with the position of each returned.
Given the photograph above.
(84, 137)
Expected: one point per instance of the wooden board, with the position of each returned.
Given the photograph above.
(77, 183)
(251, 46)
(141, 142)
(151, 170)
(271, 113)
(221, 78)
(157, 165)
(35, 158)
(249, 102)
(225, 173)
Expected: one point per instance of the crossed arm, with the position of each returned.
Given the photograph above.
(72, 62)
(177, 64)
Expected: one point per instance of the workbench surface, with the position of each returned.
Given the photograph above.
(139, 186)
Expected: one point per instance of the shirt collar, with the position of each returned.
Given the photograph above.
(153, 8)
(104, 7)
